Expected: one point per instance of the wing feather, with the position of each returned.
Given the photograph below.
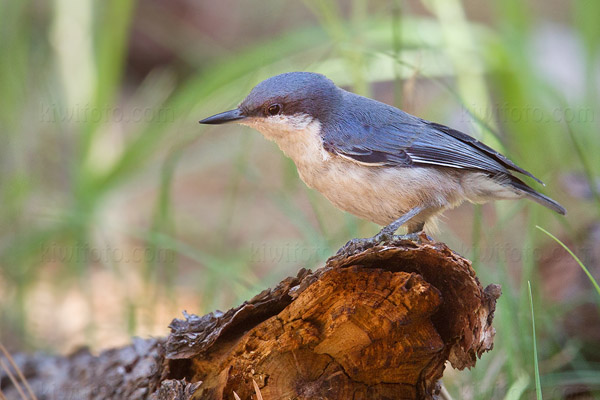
(388, 136)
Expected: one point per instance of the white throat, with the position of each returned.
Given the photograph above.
(298, 136)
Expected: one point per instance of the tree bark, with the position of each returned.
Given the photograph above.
(376, 325)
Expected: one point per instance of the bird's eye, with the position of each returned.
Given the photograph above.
(274, 109)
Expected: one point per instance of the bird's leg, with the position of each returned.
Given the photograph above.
(386, 234)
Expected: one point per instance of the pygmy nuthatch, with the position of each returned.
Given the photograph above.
(374, 160)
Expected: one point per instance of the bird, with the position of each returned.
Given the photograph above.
(374, 160)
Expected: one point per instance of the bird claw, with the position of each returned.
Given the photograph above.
(356, 246)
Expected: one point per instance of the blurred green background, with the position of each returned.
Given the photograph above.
(118, 210)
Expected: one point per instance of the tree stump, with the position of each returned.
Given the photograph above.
(380, 324)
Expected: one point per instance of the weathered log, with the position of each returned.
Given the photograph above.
(376, 325)
(131, 372)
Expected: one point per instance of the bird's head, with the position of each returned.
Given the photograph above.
(284, 104)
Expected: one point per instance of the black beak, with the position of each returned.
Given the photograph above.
(224, 117)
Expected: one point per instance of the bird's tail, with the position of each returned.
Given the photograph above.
(536, 196)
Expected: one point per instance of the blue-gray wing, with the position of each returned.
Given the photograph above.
(389, 136)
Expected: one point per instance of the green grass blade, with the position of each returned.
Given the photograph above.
(516, 390)
(538, 385)
(583, 267)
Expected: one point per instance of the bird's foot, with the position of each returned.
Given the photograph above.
(355, 246)
(386, 235)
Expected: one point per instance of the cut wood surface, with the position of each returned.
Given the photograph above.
(380, 324)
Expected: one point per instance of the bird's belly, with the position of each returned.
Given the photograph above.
(378, 194)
